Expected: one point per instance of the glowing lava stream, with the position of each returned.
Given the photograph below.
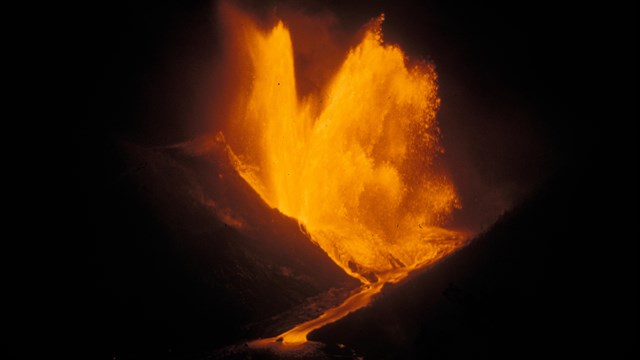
(353, 164)
(298, 335)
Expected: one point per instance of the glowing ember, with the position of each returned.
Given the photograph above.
(354, 164)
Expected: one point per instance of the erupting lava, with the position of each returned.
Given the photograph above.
(353, 164)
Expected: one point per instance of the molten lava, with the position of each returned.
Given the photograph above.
(354, 164)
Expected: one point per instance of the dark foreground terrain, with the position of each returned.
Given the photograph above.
(186, 257)
(551, 278)
(554, 277)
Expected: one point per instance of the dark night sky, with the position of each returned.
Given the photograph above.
(531, 87)
(141, 71)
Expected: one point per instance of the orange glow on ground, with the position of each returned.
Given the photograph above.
(353, 164)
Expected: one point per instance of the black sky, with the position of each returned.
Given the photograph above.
(553, 82)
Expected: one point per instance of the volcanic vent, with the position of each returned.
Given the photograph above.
(355, 163)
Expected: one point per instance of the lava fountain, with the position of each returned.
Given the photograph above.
(355, 163)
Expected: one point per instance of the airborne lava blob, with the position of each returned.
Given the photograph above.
(354, 164)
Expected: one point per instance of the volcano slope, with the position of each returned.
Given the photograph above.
(188, 258)
(553, 276)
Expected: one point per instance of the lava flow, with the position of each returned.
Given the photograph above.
(354, 163)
